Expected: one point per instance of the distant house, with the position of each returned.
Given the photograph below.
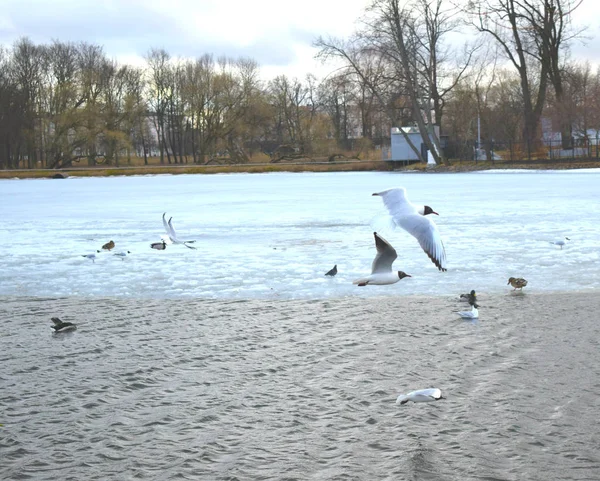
(401, 151)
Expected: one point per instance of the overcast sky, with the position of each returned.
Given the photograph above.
(278, 34)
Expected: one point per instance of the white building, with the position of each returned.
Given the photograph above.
(401, 150)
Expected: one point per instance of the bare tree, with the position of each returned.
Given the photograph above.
(532, 35)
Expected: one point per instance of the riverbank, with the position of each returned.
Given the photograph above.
(337, 166)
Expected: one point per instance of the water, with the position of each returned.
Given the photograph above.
(264, 236)
(240, 361)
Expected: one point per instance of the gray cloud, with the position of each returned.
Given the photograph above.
(133, 29)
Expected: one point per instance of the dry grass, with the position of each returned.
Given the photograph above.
(299, 165)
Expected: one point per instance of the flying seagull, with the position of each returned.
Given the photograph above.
(61, 326)
(172, 235)
(421, 396)
(415, 222)
(381, 270)
(332, 272)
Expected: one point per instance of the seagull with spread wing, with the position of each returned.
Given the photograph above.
(381, 270)
(171, 235)
(415, 222)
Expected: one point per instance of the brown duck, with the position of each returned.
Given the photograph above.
(517, 282)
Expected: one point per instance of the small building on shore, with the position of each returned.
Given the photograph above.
(401, 151)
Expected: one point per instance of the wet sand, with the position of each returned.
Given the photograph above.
(276, 389)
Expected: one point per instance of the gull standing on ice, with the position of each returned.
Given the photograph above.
(171, 233)
(472, 314)
(92, 257)
(421, 396)
(122, 255)
(560, 242)
(381, 270)
(413, 220)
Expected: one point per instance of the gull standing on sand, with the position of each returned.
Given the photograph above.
(472, 314)
(172, 235)
(415, 222)
(421, 396)
(381, 269)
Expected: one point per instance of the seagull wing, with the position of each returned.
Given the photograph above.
(171, 231)
(428, 235)
(386, 255)
(56, 321)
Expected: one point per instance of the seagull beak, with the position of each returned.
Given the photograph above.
(408, 275)
(375, 193)
(434, 212)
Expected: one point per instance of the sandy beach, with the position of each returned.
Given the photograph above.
(271, 389)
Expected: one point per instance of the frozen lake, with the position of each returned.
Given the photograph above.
(265, 236)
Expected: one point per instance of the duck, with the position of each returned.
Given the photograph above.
(61, 326)
(471, 297)
(160, 246)
(108, 246)
(517, 282)
(421, 396)
(332, 272)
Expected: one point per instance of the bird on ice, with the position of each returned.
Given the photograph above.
(92, 257)
(172, 235)
(381, 269)
(415, 222)
(122, 255)
(421, 396)
(332, 272)
(517, 282)
(159, 246)
(61, 326)
(472, 314)
(108, 246)
(560, 242)
(471, 297)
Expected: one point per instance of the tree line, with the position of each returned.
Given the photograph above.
(63, 103)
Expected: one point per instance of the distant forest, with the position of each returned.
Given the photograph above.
(65, 104)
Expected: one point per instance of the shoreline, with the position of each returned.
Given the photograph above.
(337, 166)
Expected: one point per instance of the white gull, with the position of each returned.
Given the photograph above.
(415, 222)
(421, 396)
